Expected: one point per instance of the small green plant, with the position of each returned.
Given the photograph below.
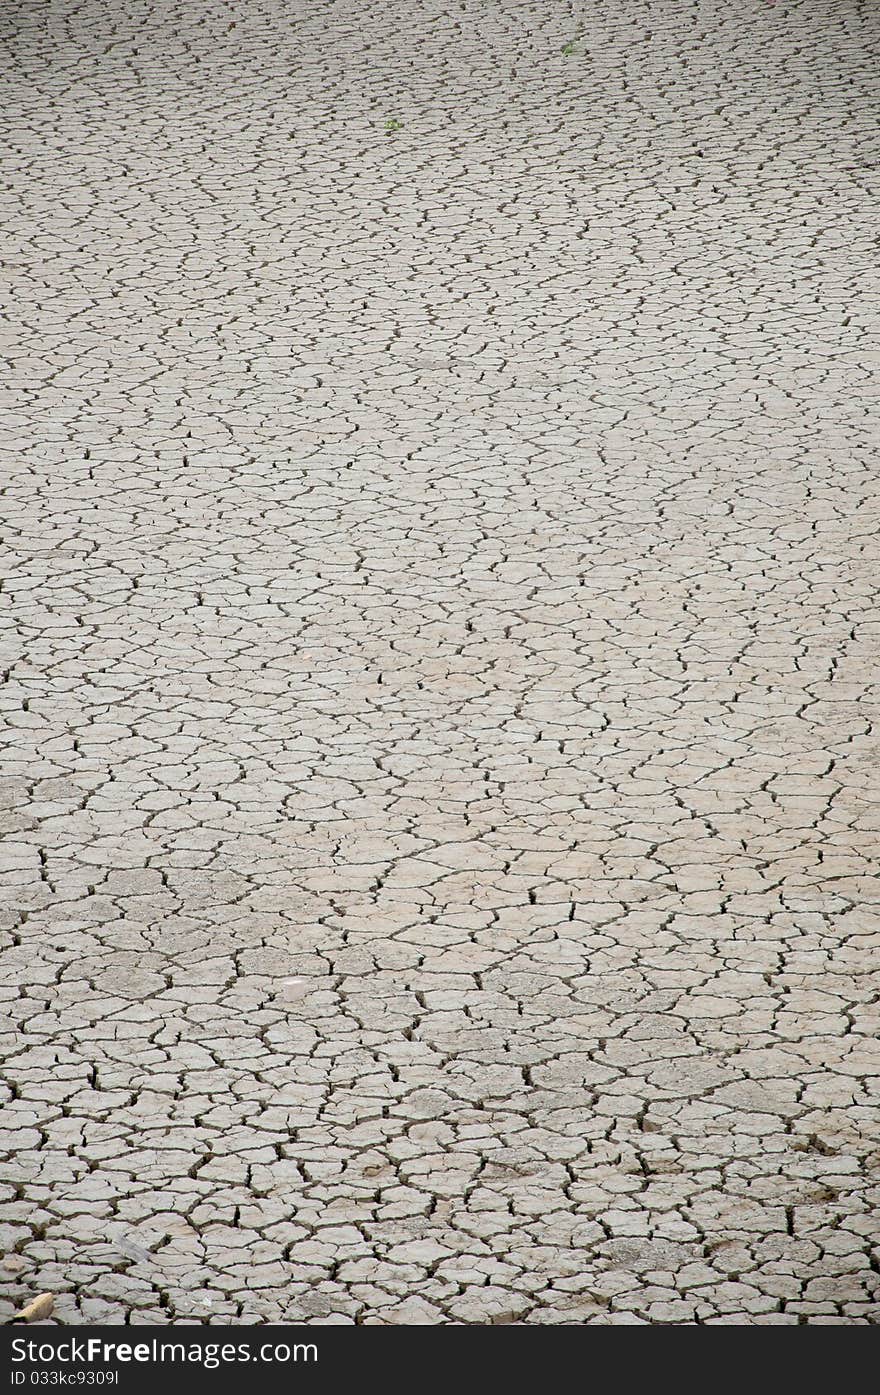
(570, 48)
(392, 125)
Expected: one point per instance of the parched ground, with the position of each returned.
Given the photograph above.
(443, 644)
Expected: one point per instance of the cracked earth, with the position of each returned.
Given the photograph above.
(442, 555)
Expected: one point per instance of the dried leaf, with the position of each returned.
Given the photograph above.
(133, 1251)
(39, 1307)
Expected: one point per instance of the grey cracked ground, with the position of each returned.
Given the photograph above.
(441, 517)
